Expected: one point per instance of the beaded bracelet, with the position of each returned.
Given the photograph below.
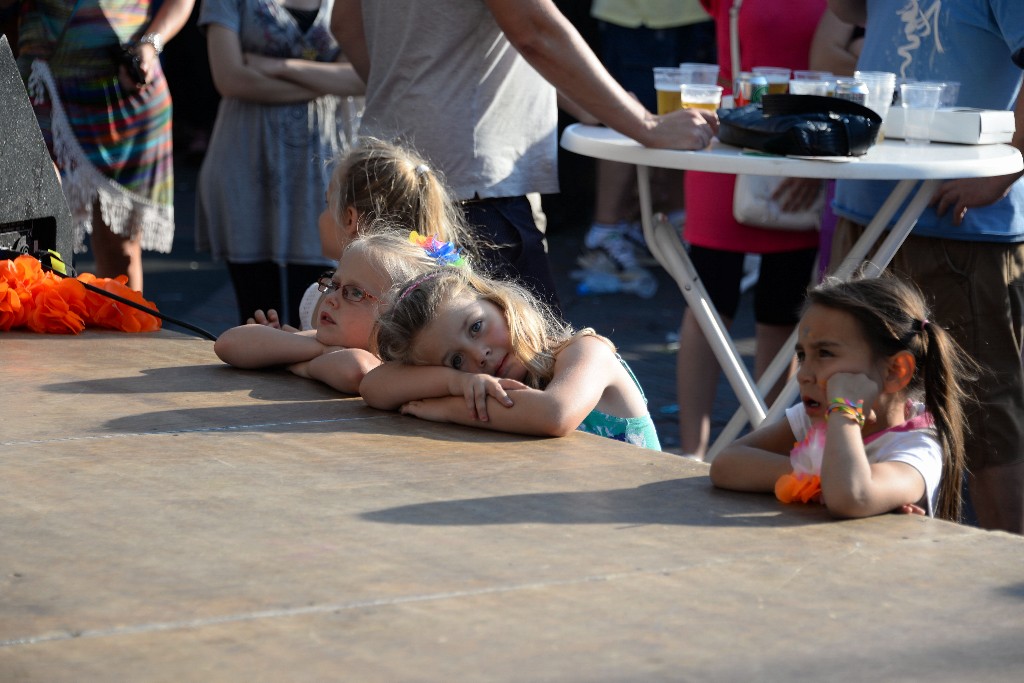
(854, 409)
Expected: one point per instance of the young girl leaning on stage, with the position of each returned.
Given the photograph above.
(337, 351)
(868, 354)
(459, 347)
(380, 185)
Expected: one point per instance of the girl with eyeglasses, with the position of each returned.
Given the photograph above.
(337, 352)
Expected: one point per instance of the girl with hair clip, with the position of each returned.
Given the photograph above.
(379, 186)
(460, 347)
(337, 352)
(866, 443)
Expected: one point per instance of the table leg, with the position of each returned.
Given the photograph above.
(853, 260)
(667, 247)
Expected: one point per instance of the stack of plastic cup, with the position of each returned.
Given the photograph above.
(881, 88)
(693, 72)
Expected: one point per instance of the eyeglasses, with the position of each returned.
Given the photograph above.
(351, 293)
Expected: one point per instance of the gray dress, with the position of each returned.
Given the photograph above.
(262, 182)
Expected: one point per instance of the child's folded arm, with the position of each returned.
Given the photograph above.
(755, 461)
(259, 346)
(341, 369)
(391, 384)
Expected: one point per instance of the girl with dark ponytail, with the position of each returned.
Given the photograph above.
(880, 424)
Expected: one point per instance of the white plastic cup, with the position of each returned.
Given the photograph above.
(919, 100)
(694, 72)
(808, 87)
(807, 75)
(700, 96)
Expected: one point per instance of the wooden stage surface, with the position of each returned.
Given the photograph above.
(164, 517)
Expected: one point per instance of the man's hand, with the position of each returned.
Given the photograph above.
(956, 196)
(683, 129)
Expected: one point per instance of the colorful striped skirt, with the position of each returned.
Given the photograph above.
(114, 152)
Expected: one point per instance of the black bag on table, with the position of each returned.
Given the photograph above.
(803, 125)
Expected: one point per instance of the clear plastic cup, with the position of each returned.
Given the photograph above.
(667, 80)
(700, 96)
(919, 101)
(881, 89)
(809, 87)
(693, 72)
(807, 75)
(777, 77)
(950, 93)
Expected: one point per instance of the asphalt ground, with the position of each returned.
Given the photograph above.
(190, 286)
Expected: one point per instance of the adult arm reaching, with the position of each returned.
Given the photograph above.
(552, 46)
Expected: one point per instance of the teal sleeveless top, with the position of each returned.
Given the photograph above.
(638, 431)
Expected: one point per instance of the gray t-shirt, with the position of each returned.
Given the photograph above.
(446, 81)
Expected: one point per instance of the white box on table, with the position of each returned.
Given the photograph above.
(958, 124)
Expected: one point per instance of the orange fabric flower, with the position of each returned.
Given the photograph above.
(50, 311)
(106, 312)
(798, 488)
(12, 311)
(803, 484)
(45, 302)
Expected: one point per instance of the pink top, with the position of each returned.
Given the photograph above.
(772, 33)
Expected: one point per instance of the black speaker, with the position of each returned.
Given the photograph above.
(34, 214)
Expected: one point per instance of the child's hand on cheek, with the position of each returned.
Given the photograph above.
(854, 387)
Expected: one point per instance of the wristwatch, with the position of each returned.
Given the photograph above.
(154, 39)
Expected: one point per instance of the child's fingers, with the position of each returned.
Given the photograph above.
(499, 393)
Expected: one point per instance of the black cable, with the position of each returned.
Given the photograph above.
(45, 260)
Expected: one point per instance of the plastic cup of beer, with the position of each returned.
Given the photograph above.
(700, 96)
(693, 72)
(808, 87)
(919, 100)
(667, 80)
(777, 77)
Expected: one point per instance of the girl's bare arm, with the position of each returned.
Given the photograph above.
(342, 369)
(259, 346)
(756, 461)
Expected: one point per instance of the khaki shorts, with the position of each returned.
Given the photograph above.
(975, 290)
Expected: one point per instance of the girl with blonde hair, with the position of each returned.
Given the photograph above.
(460, 347)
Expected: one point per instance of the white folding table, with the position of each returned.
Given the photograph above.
(925, 166)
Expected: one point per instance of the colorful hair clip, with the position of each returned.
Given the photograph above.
(445, 252)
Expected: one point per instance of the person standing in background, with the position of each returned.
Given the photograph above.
(265, 174)
(471, 86)
(104, 109)
(967, 250)
(771, 33)
(636, 36)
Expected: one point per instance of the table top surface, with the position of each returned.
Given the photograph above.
(888, 160)
(165, 517)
